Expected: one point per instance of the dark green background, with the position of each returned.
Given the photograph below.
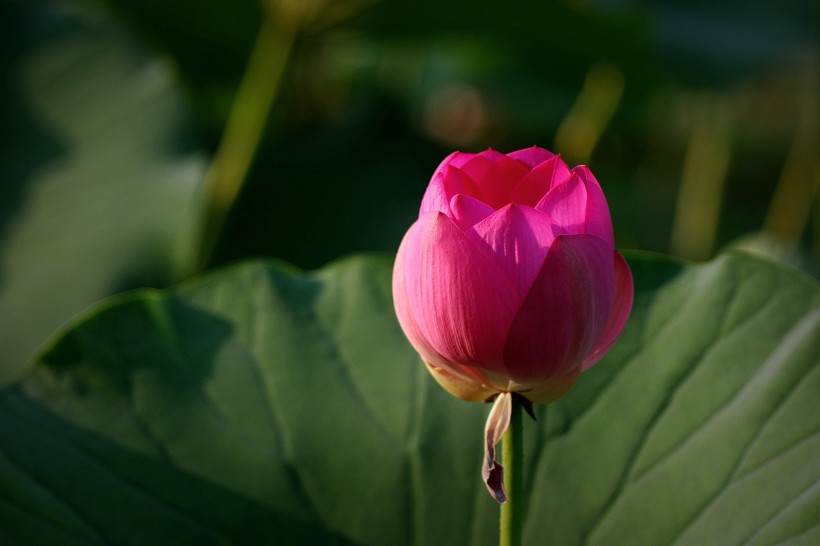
(112, 110)
(255, 402)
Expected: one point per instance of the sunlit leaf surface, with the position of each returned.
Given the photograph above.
(260, 404)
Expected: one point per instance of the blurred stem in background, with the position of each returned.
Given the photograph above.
(705, 167)
(796, 189)
(282, 21)
(590, 114)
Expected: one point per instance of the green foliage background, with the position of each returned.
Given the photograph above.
(700, 120)
(260, 404)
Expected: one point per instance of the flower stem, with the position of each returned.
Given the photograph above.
(512, 454)
(245, 127)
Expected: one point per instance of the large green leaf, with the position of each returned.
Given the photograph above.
(265, 405)
(99, 170)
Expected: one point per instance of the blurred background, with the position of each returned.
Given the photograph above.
(145, 141)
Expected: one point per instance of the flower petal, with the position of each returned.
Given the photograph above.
(468, 211)
(494, 156)
(579, 206)
(435, 196)
(598, 221)
(455, 159)
(621, 307)
(565, 312)
(462, 384)
(446, 183)
(496, 175)
(535, 185)
(461, 303)
(461, 381)
(567, 203)
(404, 312)
(531, 156)
(549, 390)
(517, 238)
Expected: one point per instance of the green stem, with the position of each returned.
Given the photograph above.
(512, 454)
(244, 128)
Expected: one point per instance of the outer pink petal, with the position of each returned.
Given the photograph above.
(565, 312)
(531, 156)
(462, 304)
(455, 159)
(435, 196)
(462, 385)
(579, 207)
(493, 156)
(567, 204)
(407, 320)
(538, 181)
(598, 221)
(446, 183)
(517, 238)
(461, 381)
(468, 211)
(495, 175)
(621, 307)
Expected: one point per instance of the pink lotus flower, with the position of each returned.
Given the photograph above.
(509, 280)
